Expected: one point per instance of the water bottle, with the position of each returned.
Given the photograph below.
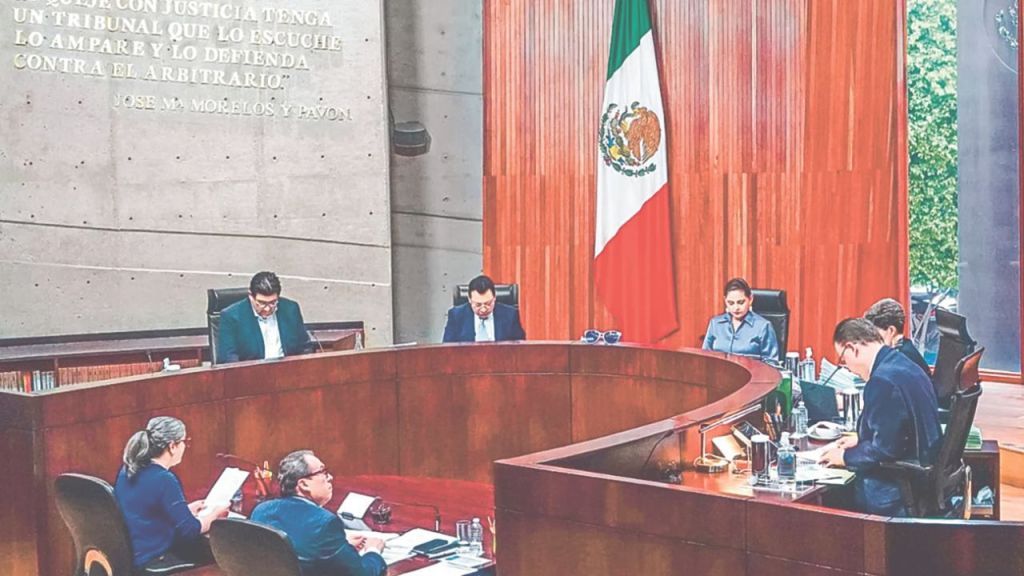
(786, 458)
(800, 419)
(808, 369)
(476, 538)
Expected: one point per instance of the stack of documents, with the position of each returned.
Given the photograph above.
(838, 377)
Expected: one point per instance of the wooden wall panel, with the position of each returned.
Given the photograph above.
(786, 140)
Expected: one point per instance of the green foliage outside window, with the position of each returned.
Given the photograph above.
(931, 87)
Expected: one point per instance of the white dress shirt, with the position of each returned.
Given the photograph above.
(272, 347)
(485, 329)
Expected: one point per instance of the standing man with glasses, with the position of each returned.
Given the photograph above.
(263, 326)
(316, 534)
(483, 318)
(900, 420)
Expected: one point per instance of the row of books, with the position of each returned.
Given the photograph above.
(42, 380)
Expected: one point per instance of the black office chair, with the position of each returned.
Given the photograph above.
(772, 305)
(102, 546)
(243, 548)
(217, 299)
(955, 344)
(928, 490)
(507, 294)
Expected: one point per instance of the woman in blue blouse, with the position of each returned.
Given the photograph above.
(741, 330)
(163, 528)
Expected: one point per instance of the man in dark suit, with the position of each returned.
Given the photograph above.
(900, 420)
(262, 326)
(483, 318)
(317, 535)
(889, 318)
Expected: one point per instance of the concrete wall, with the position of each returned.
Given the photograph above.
(126, 192)
(435, 74)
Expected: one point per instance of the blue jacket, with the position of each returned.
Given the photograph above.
(755, 336)
(155, 512)
(461, 325)
(318, 538)
(900, 421)
(240, 337)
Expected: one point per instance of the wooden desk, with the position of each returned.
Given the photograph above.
(84, 358)
(576, 431)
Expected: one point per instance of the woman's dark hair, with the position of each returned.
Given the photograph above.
(147, 444)
(737, 284)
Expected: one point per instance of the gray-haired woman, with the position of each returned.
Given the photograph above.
(164, 529)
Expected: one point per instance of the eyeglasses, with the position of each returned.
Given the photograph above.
(324, 471)
(187, 441)
(608, 337)
(264, 305)
(482, 305)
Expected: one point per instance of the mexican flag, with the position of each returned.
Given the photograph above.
(633, 241)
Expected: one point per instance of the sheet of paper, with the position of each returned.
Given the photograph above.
(355, 505)
(822, 474)
(229, 483)
(472, 562)
(385, 536)
(417, 536)
(442, 569)
(816, 454)
(395, 555)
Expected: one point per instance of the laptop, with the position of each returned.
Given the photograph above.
(820, 402)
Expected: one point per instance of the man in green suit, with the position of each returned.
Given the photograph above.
(263, 326)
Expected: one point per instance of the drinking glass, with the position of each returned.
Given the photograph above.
(463, 533)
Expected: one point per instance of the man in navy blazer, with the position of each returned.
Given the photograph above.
(262, 326)
(483, 318)
(900, 419)
(317, 535)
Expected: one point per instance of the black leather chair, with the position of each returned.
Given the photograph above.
(772, 305)
(102, 546)
(955, 344)
(218, 299)
(244, 548)
(928, 490)
(507, 294)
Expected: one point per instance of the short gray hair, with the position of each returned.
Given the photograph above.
(292, 468)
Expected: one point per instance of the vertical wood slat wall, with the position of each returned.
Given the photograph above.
(786, 134)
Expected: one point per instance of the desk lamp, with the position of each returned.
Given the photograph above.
(710, 463)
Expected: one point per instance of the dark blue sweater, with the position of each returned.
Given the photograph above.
(155, 511)
(900, 421)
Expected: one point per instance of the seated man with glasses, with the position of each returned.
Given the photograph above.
(900, 419)
(317, 535)
(483, 318)
(263, 326)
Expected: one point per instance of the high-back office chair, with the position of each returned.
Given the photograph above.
(243, 548)
(955, 344)
(927, 490)
(217, 299)
(772, 305)
(102, 546)
(507, 294)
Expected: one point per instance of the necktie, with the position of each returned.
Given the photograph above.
(482, 334)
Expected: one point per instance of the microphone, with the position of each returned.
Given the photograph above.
(260, 473)
(315, 339)
(437, 512)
